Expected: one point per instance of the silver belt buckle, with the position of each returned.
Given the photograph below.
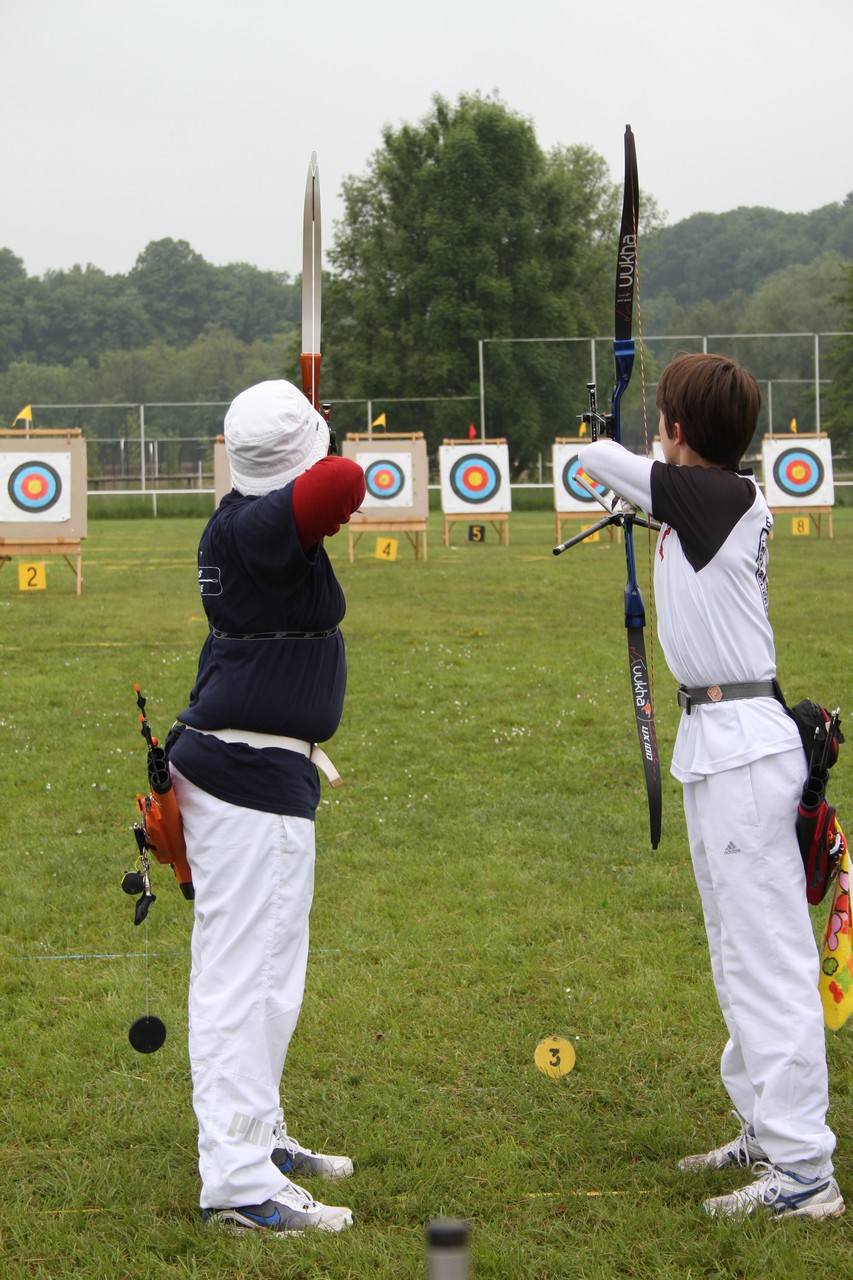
(684, 699)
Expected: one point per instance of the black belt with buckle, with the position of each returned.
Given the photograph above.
(690, 698)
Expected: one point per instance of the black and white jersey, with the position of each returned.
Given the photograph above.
(711, 598)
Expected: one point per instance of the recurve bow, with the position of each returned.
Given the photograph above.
(610, 424)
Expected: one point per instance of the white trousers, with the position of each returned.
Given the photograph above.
(763, 955)
(254, 882)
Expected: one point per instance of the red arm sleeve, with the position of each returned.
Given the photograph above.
(324, 498)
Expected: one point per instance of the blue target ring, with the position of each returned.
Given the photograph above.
(570, 482)
(474, 478)
(384, 479)
(798, 472)
(34, 486)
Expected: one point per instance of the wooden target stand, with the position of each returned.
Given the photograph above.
(499, 520)
(16, 540)
(809, 514)
(414, 527)
(33, 548)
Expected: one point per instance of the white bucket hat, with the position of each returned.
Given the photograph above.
(272, 434)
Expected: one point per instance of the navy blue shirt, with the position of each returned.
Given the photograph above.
(256, 583)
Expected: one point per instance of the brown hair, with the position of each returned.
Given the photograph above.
(716, 403)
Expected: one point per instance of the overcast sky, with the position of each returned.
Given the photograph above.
(127, 121)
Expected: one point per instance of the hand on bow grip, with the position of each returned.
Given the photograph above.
(623, 508)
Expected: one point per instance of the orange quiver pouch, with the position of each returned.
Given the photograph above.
(162, 828)
(164, 835)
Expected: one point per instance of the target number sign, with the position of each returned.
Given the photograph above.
(31, 577)
(569, 493)
(554, 1056)
(35, 487)
(474, 478)
(386, 548)
(798, 474)
(387, 479)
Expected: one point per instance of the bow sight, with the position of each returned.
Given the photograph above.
(600, 424)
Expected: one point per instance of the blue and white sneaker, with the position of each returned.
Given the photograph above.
(288, 1156)
(292, 1211)
(744, 1151)
(780, 1194)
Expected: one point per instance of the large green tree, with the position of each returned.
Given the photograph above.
(838, 398)
(463, 229)
(183, 295)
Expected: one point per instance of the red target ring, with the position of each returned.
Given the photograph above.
(34, 487)
(475, 478)
(384, 479)
(798, 472)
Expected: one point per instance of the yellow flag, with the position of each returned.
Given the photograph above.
(380, 421)
(26, 413)
(794, 425)
(836, 961)
(582, 429)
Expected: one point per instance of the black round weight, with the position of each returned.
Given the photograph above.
(147, 1034)
(132, 882)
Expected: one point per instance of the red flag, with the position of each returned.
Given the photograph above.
(472, 432)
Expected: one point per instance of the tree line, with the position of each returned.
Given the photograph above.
(461, 229)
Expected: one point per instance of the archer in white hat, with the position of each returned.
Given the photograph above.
(244, 758)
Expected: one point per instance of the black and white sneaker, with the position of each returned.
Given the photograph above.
(288, 1156)
(291, 1212)
(743, 1151)
(779, 1193)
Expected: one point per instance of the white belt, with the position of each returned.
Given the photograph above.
(250, 739)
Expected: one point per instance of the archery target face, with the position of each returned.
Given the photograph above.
(387, 479)
(35, 487)
(568, 493)
(798, 474)
(474, 478)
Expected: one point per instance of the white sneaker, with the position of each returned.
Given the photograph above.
(292, 1211)
(744, 1150)
(288, 1156)
(780, 1194)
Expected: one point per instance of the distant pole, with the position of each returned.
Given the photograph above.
(482, 392)
(142, 446)
(447, 1249)
(817, 381)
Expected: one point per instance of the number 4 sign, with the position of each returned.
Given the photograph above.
(386, 548)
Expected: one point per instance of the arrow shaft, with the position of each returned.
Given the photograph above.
(312, 285)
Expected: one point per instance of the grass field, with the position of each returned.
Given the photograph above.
(484, 880)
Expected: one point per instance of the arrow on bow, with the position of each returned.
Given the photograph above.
(312, 284)
(312, 293)
(610, 424)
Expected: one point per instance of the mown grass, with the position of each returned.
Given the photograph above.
(484, 880)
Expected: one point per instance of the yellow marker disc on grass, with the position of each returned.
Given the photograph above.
(554, 1056)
